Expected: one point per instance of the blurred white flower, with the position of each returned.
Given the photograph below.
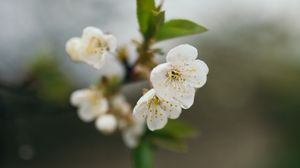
(90, 102)
(131, 129)
(132, 134)
(92, 47)
(177, 79)
(106, 123)
(120, 104)
(156, 110)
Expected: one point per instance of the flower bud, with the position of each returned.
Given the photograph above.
(106, 123)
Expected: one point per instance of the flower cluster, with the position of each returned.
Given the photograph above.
(174, 84)
(92, 47)
(110, 112)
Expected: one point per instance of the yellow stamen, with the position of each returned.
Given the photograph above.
(95, 46)
(174, 75)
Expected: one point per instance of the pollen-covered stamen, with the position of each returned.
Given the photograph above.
(154, 108)
(94, 96)
(96, 46)
(175, 78)
(155, 101)
(174, 75)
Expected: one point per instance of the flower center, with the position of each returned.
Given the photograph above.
(96, 46)
(154, 101)
(94, 98)
(174, 75)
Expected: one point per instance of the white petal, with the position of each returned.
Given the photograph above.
(106, 123)
(85, 113)
(158, 74)
(97, 61)
(119, 103)
(132, 134)
(179, 93)
(101, 107)
(173, 109)
(203, 68)
(186, 99)
(90, 32)
(140, 111)
(111, 42)
(79, 96)
(182, 53)
(130, 140)
(196, 73)
(92, 29)
(158, 79)
(156, 119)
(118, 100)
(147, 96)
(73, 47)
(198, 82)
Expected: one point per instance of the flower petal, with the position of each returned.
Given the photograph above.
(202, 66)
(90, 32)
(119, 103)
(85, 113)
(182, 53)
(187, 97)
(173, 109)
(106, 123)
(196, 73)
(157, 118)
(140, 111)
(95, 60)
(146, 96)
(178, 92)
(129, 139)
(73, 47)
(101, 107)
(171, 90)
(158, 74)
(79, 96)
(111, 42)
(131, 135)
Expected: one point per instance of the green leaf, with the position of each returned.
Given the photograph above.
(144, 12)
(177, 28)
(169, 142)
(156, 21)
(178, 129)
(143, 155)
(173, 136)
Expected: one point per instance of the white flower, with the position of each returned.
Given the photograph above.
(92, 47)
(177, 79)
(106, 123)
(131, 129)
(119, 103)
(90, 102)
(156, 110)
(132, 134)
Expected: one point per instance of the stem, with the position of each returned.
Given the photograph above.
(145, 54)
(128, 74)
(143, 156)
(145, 59)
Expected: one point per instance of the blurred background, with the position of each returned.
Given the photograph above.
(247, 113)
